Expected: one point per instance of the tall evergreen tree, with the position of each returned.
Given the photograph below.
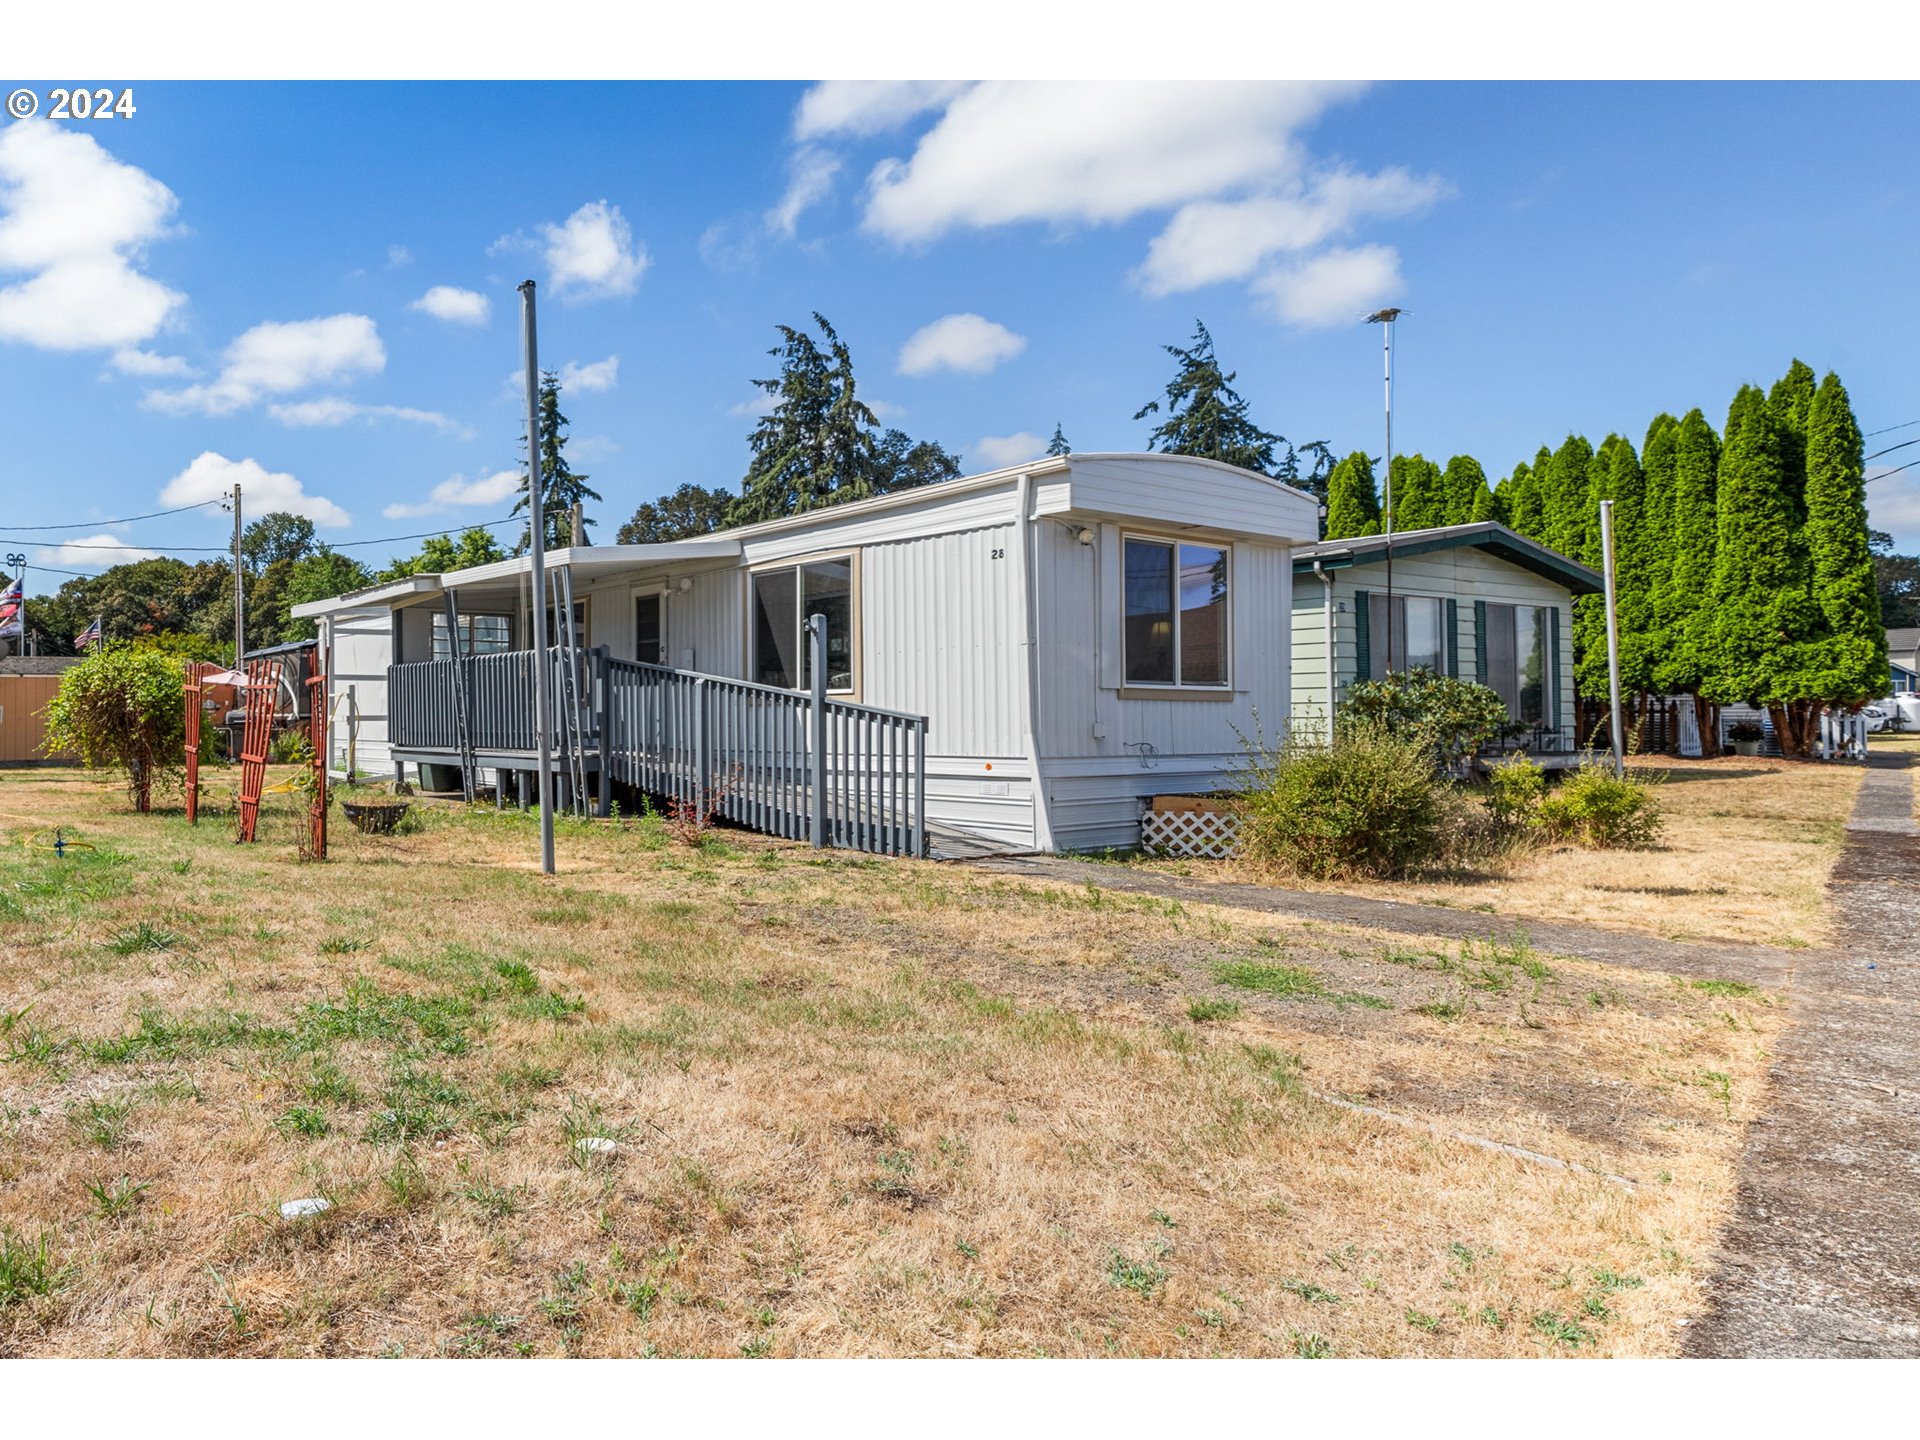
(1519, 502)
(561, 488)
(1634, 575)
(816, 446)
(1205, 415)
(1353, 500)
(1763, 611)
(1463, 483)
(1847, 663)
(1487, 506)
(1790, 402)
(1563, 497)
(1058, 444)
(1682, 604)
(1419, 494)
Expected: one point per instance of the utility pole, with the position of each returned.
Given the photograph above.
(1385, 318)
(1613, 636)
(537, 529)
(239, 587)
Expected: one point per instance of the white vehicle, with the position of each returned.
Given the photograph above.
(1906, 709)
(1878, 716)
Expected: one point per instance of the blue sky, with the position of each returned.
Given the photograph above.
(232, 282)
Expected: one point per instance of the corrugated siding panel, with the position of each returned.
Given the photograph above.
(1150, 489)
(939, 637)
(362, 650)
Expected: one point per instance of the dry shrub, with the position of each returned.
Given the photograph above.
(1368, 805)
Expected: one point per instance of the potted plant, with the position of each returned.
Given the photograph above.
(371, 809)
(1746, 736)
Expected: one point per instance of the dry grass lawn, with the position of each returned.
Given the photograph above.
(859, 1108)
(1745, 854)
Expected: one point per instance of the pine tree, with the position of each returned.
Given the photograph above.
(1058, 444)
(1763, 611)
(1847, 663)
(1206, 416)
(816, 446)
(1353, 500)
(560, 487)
(1682, 609)
(1419, 495)
(1563, 497)
(1464, 483)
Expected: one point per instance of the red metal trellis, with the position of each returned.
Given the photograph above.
(261, 682)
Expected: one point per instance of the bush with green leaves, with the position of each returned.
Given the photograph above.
(1598, 810)
(1515, 788)
(123, 708)
(1366, 806)
(1455, 719)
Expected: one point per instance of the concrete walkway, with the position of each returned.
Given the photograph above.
(1822, 1257)
(1713, 960)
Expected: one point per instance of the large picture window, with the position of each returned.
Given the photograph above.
(479, 635)
(1417, 632)
(1175, 622)
(1517, 661)
(782, 600)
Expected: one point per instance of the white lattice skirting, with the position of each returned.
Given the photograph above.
(1202, 834)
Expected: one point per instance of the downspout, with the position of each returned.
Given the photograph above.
(1029, 631)
(1326, 616)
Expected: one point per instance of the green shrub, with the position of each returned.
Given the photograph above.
(1596, 809)
(1455, 719)
(1515, 788)
(1368, 805)
(123, 708)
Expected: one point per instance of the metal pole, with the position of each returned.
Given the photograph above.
(239, 588)
(817, 650)
(1387, 340)
(1613, 636)
(537, 529)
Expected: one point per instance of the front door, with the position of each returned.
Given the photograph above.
(649, 629)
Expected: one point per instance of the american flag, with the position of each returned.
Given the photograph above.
(88, 636)
(12, 608)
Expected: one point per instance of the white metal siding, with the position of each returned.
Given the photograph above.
(362, 650)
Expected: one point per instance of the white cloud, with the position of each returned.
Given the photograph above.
(971, 344)
(809, 180)
(398, 256)
(592, 254)
(75, 220)
(728, 245)
(454, 305)
(589, 448)
(600, 375)
(1336, 288)
(884, 410)
(1213, 240)
(867, 107)
(999, 450)
(332, 410)
(94, 552)
(1893, 505)
(755, 405)
(278, 357)
(494, 489)
(147, 365)
(212, 476)
(1090, 152)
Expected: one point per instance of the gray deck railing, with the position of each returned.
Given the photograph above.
(423, 700)
(784, 762)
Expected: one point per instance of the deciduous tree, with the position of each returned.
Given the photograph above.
(690, 510)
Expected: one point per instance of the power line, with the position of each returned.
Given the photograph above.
(1891, 448)
(124, 520)
(1885, 473)
(225, 549)
(1888, 429)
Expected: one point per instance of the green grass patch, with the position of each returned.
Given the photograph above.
(1289, 982)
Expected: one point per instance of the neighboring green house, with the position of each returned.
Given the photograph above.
(1477, 601)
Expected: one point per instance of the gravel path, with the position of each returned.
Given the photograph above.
(1822, 1257)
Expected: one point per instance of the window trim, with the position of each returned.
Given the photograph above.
(1177, 689)
(584, 602)
(663, 593)
(795, 563)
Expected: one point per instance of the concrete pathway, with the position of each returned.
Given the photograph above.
(1822, 1257)
(1715, 960)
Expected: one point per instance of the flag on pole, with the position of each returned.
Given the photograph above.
(13, 607)
(88, 636)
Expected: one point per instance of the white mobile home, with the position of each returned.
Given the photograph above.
(1477, 601)
(1063, 639)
